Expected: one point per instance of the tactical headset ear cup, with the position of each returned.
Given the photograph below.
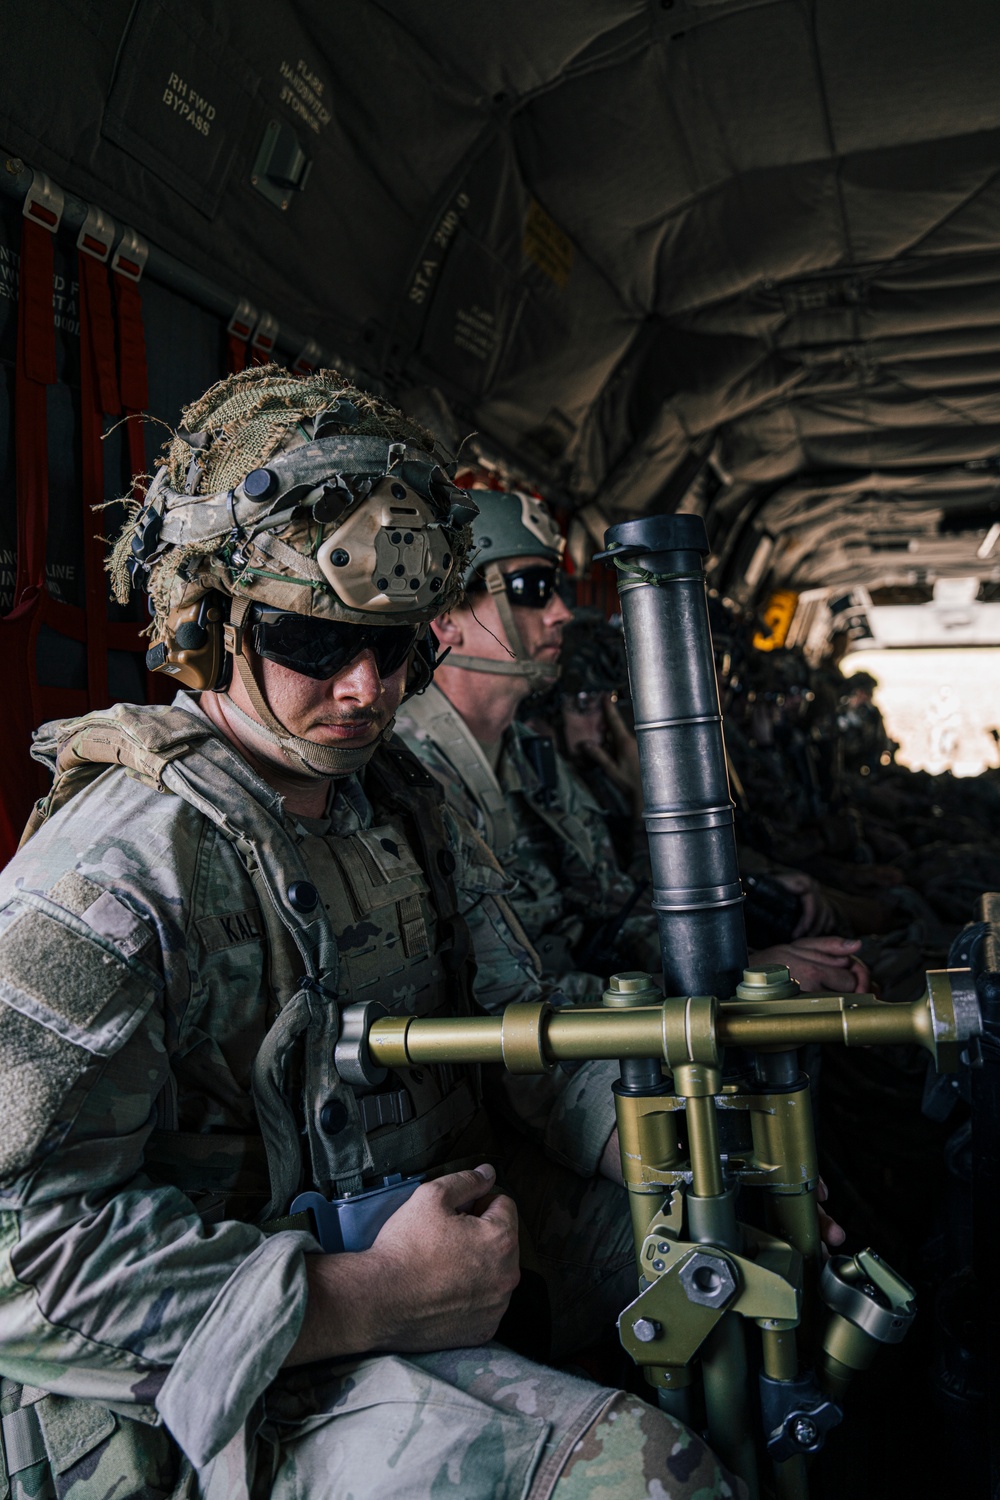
(422, 664)
(194, 652)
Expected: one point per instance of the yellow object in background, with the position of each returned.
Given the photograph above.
(777, 618)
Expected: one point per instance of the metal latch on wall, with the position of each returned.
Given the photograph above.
(130, 258)
(44, 202)
(281, 167)
(243, 321)
(97, 234)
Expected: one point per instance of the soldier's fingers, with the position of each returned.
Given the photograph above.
(839, 980)
(615, 722)
(478, 1208)
(500, 1208)
(807, 920)
(460, 1190)
(829, 948)
(830, 1232)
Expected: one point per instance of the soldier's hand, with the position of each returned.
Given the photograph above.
(831, 1233)
(821, 963)
(817, 914)
(439, 1275)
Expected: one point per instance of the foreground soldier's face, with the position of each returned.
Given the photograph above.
(350, 709)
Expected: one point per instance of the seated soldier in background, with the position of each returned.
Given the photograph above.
(588, 712)
(579, 908)
(205, 885)
(583, 713)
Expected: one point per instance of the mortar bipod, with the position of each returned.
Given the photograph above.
(715, 1272)
(698, 1266)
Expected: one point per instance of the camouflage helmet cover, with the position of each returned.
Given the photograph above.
(303, 493)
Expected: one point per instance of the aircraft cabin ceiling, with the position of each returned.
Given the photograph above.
(739, 255)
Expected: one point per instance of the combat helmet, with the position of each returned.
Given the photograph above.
(283, 496)
(509, 524)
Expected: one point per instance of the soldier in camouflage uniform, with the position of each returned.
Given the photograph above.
(584, 915)
(202, 889)
(543, 823)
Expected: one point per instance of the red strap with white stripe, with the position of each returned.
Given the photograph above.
(20, 780)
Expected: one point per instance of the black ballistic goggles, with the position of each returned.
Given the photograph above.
(532, 588)
(321, 648)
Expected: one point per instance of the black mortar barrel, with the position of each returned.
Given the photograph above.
(688, 810)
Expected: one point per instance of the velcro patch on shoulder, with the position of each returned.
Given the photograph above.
(75, 892)
(63, 973)
(230, 930)
(37, 1070)
(102, 911)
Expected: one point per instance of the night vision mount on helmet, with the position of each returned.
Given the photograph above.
(379, 520)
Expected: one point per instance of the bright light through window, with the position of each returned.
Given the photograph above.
(940, 705)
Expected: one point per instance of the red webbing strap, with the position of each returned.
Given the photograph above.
(35, 369)
(21, 781)
(98, 394)
(132, 371)
(133, 380)
(238, 332)
(236, 353)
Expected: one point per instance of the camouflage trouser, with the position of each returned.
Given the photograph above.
(579, 1234)
(477, 1424)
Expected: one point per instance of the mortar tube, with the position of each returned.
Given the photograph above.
(697, 894)
(688, 810)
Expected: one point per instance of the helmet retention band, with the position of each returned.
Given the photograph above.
(538, 673)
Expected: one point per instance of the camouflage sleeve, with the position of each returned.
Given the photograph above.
(661, 1457)
(602, 886)
(571, 1110)
(110, 1288)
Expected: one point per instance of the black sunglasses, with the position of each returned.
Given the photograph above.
(532, 588)
(321, 648)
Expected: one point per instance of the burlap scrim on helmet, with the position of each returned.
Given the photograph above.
(247, 418)
(249, 414)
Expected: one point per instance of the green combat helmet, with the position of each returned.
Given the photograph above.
(281, 498)
(509, 525)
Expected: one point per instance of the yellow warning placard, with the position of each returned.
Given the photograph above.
(545, 244)
(776, 619)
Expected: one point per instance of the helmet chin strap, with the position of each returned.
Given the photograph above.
(307, 759)
(538, 673)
